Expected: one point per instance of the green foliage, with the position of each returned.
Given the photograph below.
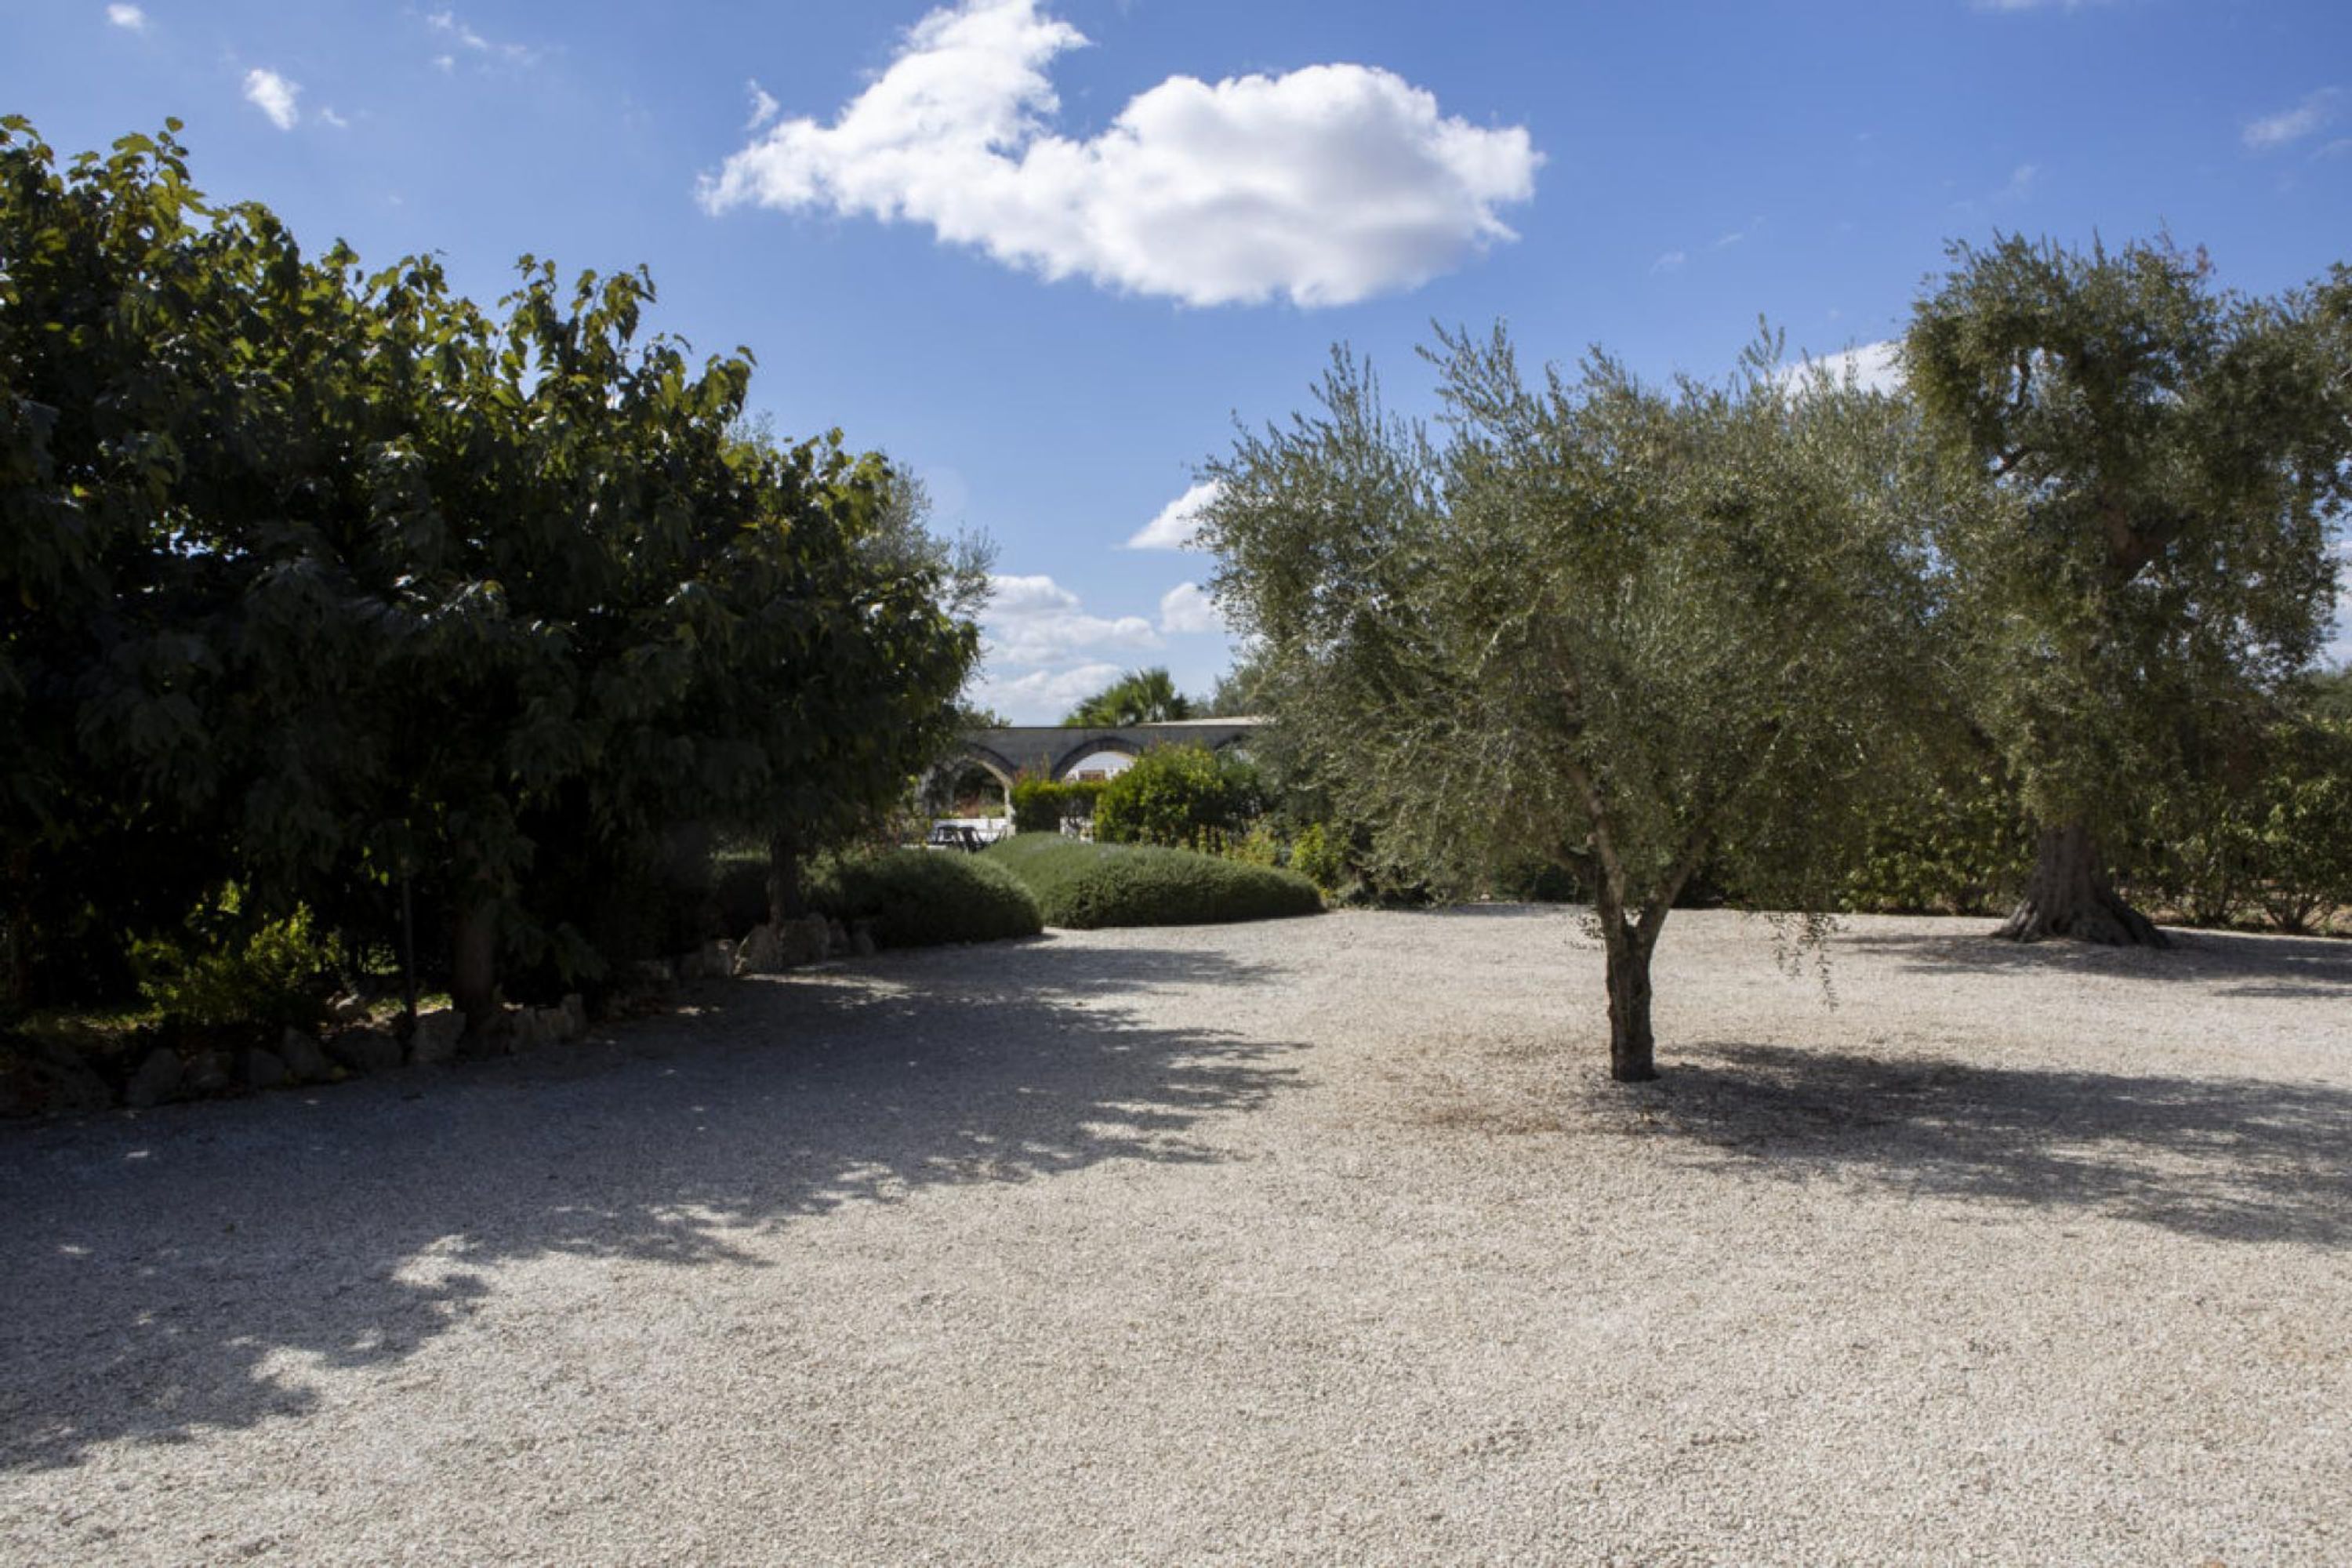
(919, 898)
(1261, 846)
(1044, 806)
(2301, 822)
(1318, 856)
(1960, 848)
(1138, 697)
(223, 970)
(2276, 847)
(1605, 626)
(2161, 460)
(1173, 794)
(1082, 886)
(331, 582)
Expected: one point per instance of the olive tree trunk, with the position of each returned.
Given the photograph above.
(1633, 1049)
(2069, 895)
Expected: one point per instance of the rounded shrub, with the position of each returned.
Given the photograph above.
(923, 897)
(1085, 885)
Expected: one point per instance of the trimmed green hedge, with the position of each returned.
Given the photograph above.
(922, 898)
(1083, 886)
(1042, 805)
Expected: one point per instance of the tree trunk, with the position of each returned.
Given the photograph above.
(474, 967)
(785, 899)
(2070, 896)
(1633, 1050)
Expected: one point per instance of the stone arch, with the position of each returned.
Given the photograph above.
(1088, 747)
(990, 763)
(947, 769)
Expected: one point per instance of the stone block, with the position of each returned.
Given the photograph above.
(303, 1059)
(157, 1079)
(372, 1049)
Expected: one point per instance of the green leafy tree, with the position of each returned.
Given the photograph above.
(2162, 460)
(1605, 626)
(334, 584)
(1175, 795)
(1138, 697)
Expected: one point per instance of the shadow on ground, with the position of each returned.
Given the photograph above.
(2224, 1159)
(157, 1273)
(2230, 963)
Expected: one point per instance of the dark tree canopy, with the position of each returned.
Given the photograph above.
(329, 581)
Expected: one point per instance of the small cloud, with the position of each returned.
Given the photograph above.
(274, 96)
(1187, 607)
(1724, 242)
(1671, 261)
(764, 107)
(2314, 114)
(130, 18)
(445, 64)
(2018, 186)
(2335, 149)
(447, 24)
(327, 116)
(1179, 520)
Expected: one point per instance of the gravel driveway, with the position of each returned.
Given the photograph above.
(1313, 1241)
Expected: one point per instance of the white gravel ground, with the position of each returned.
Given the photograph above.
(1316, 1241)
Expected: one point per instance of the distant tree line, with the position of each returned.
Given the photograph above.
(467, 632)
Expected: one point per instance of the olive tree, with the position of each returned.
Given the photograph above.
(2162, 462)
(1601, 625)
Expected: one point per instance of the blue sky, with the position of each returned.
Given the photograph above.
(1045, 252)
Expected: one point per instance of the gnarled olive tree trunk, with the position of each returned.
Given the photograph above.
(2069, 895)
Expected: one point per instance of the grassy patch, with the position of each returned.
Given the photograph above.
(1084, 886)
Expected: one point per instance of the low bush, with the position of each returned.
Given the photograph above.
(1085, 886)
(226, 971)
(923, 897)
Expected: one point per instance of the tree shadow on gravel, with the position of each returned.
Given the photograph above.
(2226, 1160)
(157, 1271)
(2231, 963)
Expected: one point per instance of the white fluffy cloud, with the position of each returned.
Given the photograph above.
(1324, 185)
(1178, 521)
(274, 96)
(1041, 695)
(1036, 620)
(2290, 125)
(130, 18)
(1187, 607)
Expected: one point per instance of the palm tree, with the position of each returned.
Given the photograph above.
(1138, 697)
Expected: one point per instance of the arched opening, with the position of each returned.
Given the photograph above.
(1098, 757)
